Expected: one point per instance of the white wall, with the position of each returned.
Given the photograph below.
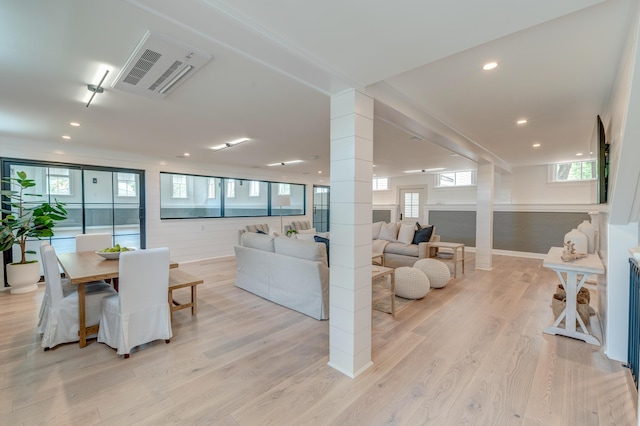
(530, 186)
(525, 185)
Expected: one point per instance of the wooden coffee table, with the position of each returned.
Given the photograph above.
(380, 272)
(379, 256)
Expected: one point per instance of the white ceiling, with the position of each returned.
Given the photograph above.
(275, 65)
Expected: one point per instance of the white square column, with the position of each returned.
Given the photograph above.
(484, 216)
(351, 193)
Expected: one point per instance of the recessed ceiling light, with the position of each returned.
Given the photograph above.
(489, 66)
(284, 163)
(536, 145)
(186, 154)
(229, 144)
(522, 121)
(579, 154)
(75, 124)
(66, 137)
(437, 169)
(319, 172)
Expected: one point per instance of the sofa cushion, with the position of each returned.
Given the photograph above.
(305, 237)
(389, 231)
(403, 249)
(301, 249)
(257, 241)
(307, 231)
(264, 227)
(375, 230)
(405, 234)
(423, 235)
(300, 225)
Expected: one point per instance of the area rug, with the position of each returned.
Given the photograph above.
(384, 304)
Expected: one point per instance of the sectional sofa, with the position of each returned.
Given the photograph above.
(403, 244)
(290, 272)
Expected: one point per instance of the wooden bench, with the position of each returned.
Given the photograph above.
(180, 279)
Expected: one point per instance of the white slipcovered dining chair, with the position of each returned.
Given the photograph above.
(140, 312)
(66, 288)
(92, 242)
(60, 319)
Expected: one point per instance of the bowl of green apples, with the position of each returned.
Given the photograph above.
(113, 252)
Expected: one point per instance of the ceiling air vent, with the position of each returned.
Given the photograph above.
(158, 65)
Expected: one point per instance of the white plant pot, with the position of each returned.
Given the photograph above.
(23, 278)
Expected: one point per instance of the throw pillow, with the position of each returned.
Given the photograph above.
(307, 231)
(389, 231)
(418, 226)
(375, 230)
(303, 236)
(405, 234)
(326, 243)
(423, 235)
(260, 231)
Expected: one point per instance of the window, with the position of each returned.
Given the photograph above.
(59, 182)
(195, 196)
(126, 185)
(211, 188)
(571, 172)
(466, 178)
(411, 205)
(254, 188)
(231, 188)
(380, 184)
(178, 186)
(284, 189)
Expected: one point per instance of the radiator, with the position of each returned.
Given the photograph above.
(634, 319)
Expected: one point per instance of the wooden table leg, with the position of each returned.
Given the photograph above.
(194, 307)
(82, 319)
(463, 259)
(393, 293)
(455, 262)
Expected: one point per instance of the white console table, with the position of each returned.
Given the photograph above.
(572, 284)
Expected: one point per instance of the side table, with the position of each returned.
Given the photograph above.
(380, 272)
(453, 246)
(572, 284)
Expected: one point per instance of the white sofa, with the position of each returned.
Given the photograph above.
(400, 244)
(290, 272)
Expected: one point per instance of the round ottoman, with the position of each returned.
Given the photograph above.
(437, 271)
(411, 283)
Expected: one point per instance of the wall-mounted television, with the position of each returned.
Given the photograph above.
(603, 162)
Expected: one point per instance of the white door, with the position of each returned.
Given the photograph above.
(411, 200)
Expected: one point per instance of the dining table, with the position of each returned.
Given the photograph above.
(84, 267)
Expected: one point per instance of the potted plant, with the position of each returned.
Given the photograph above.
(25, 219)
(291, 232)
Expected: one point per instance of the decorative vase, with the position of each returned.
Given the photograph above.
(578, 239)
(23, 278)
(589, 230)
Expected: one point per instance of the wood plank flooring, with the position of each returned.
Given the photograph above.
(471, 353)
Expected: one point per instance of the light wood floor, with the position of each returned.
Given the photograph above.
(470, 353)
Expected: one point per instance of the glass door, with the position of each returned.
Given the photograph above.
(321, 208)
(96, 199)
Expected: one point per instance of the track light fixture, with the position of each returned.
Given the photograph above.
(96, 89)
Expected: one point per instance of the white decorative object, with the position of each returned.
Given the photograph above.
(589, 230)
(411, 283)
(437, 272)
(579, 240)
